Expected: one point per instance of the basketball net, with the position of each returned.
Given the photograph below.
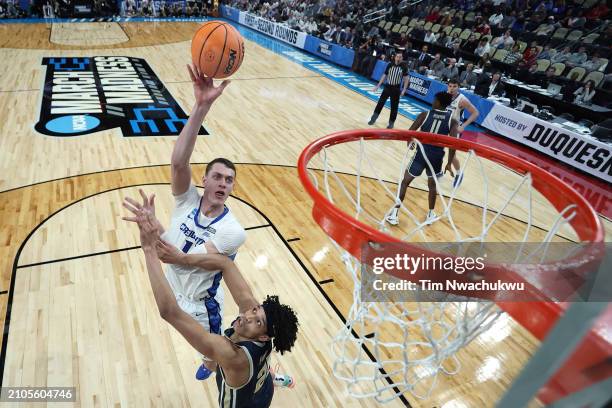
(426, 336)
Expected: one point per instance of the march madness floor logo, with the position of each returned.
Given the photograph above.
(88, 95)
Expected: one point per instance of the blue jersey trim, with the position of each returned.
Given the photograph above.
(219, 217)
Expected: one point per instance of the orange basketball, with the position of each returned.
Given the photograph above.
(217, 49)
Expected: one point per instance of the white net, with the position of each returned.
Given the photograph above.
(389, 347)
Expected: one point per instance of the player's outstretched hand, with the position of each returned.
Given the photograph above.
(144, 216)
(148, 204)
(133, 206)
(204, 90)
(168, 254)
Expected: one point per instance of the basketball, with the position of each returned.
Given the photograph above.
(217, 49)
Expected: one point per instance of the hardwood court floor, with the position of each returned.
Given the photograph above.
(91, 322)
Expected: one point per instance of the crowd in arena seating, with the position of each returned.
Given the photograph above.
(524, 39)
(105, 8)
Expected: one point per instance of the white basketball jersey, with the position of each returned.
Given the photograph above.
(189, 231)
(455, 109)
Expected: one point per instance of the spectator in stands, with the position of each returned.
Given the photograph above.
(561, 56)
(483, 48)
(585, 93)
(490, 86)
(530, 56)
(576, 20)
(456, 52)
(547, 29)
(451, 40)
(418, 33)
(570, 87)
(514, 56)
(605, 38)
(422, 60)
(364, 49)
(547, 52)
(450, 71)
(545, 79)
(598, 12)
(527, 74)
(446, 20)
(434, 15)
(503, 41)
(373, 31)
(375, 52)
(457, 19)
(442, 39)
(468, 77)
(508, 20)
(595, 63)
(496, 19)
(519, 23)
(330, 33)
(471, 44)
(420, 12)
(559, 8)
(310, 26)
(430, 37)
(436, 65)
(401, 41)
(481, 26)
(578, 58)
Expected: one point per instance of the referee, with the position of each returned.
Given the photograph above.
(395, 72)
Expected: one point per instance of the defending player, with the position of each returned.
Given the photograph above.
(243, 375)
(458, 104)
(440, 121)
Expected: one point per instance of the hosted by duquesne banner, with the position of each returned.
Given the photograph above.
(579, 151)
(89, 94)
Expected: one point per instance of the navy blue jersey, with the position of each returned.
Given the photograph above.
(438, 122)
(258, 391)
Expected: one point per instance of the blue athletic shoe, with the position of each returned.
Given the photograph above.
(458, 179)
(203, 373)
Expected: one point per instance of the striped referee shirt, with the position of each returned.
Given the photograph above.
(395, 73)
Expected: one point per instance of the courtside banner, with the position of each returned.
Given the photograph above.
(278, 31)
(332, 52)
(83, 95)
(579, 151)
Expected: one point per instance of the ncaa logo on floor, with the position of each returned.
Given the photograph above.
(92, 94)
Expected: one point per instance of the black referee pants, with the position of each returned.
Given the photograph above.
(392, 92)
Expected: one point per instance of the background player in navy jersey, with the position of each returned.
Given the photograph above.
(440, 121)
(242, 353)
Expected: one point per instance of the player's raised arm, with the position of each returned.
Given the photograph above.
(205, 94)
(467, 105)
(238, 287)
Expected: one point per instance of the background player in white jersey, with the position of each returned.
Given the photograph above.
(458, 104)
(243, 376)
(439, 120)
